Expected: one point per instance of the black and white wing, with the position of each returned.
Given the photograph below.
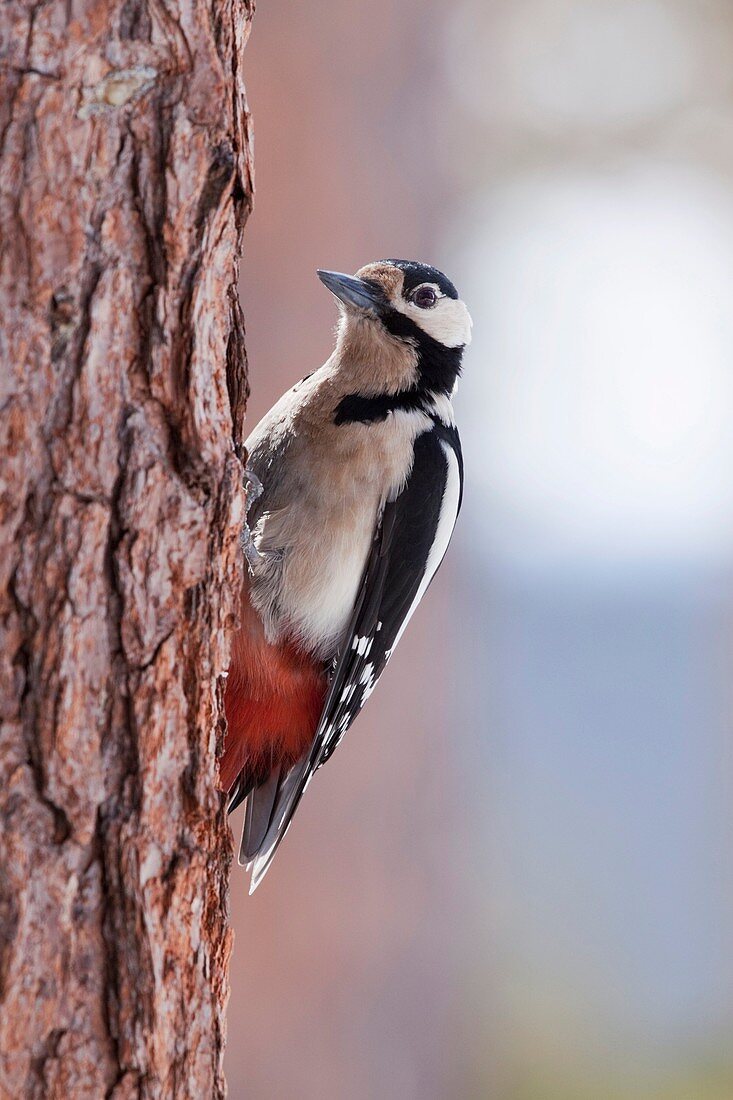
(409, 543)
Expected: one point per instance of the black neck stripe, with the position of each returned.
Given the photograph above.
(355, 408)
(438, 366)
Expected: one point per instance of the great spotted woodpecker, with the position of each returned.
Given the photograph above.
(355, 482)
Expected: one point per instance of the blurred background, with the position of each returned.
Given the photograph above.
(514, 879)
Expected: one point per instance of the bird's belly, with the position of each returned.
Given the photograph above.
(321, 581)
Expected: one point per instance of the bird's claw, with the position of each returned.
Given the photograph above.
(253, 488)
(253, 491)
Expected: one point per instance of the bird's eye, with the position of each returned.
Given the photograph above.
(424, 297)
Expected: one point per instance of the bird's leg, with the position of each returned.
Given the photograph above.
(253, 491)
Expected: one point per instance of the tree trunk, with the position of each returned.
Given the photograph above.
(125, 180)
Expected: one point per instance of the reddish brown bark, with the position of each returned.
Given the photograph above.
(125, 179)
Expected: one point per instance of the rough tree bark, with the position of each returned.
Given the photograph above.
(125, 180)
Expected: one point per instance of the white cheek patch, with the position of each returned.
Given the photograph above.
(448, 321)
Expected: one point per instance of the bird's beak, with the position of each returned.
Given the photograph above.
(352, 291)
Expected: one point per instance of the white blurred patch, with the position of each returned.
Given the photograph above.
(597, 401)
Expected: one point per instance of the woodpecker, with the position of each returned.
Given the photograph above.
(355, 480)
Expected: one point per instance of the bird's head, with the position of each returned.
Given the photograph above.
(409, 303)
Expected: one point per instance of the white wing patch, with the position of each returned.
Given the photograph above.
(442, 406)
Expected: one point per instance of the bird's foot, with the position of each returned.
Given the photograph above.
(253, 491)
(253, 488)
(256, 558)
